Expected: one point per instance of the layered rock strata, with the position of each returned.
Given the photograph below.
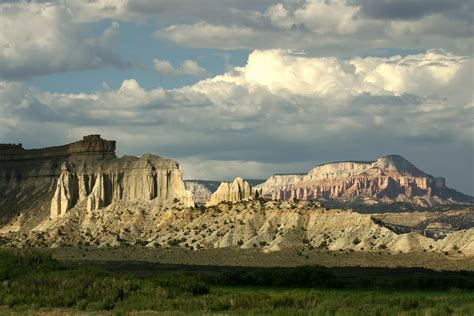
(123, 179)
(387, 179)
(91, 146)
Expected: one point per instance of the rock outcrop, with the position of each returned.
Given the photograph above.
(66, 194)
(387, 179)
(130, 179)
(234, 191)
(202, 189)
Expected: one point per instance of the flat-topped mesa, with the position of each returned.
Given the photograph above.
(237, 190)
(393, 164)
(91, 146)
(388, 179)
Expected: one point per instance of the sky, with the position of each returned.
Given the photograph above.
(243, 87)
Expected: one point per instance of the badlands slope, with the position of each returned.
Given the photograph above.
(269, 226)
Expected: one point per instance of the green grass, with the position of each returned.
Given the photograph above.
(31, 281)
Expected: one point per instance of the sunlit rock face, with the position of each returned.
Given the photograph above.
(387, 179)
(129, 179)
(234, 191)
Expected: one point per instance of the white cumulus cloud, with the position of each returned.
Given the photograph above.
(39, 39)
(188, 67)
(334, 27)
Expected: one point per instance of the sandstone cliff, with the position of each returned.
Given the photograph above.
(130, 178)
(387, 179)
(234, 191)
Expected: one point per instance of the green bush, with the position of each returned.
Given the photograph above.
(16, 263)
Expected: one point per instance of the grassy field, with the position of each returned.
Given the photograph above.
(35, 282)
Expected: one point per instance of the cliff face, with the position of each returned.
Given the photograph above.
(126, 179)
(83, 172)
(387, 179)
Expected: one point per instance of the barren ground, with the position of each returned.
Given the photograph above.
(256, 258)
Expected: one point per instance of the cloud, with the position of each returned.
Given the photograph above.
(281, 112)
(222, 36)
(334, 27)
(188, 67)
(39, 39)
(169, 11)
(222, 169)
(341, 28)
(408, 9)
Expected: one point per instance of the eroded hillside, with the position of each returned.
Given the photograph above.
(269, 226)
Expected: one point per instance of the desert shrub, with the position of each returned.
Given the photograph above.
(356, 241)
(323, 245)
(174, 242)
